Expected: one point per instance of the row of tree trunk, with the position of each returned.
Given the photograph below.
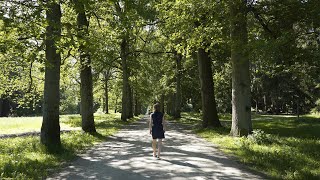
(241, 104)
(50, 129)
(241, 94)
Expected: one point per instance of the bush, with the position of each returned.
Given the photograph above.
(316, 110)
(187, 108)
(260, 137)
(69, 108)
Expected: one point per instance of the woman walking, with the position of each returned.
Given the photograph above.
(157, 128)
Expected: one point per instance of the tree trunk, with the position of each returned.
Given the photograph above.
(265, 103)
(106, 92)
(177, 103)
(125, 83)
(130, 102)
(167, 106)
(50, 129)
(241, 95)
(116, 105)
(86, 87)
(298, 109)
(170, 104)
(1, 103)
(5, 107)
(257, 98)
(209, 110)
(137, 109)
(136, 113)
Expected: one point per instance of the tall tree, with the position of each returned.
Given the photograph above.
(129, 19)
(85, 71)
(189, 25)
(50, 129)
(209, 110)
(131, 104)
(125, 84)
(106, 91)
(284, 55)
(241, 95)
(122, 10)
(177, 106)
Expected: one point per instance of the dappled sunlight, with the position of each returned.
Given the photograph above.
(128, 155)
(276, 116)
(261, 118)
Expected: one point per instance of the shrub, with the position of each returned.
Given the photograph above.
(260, 137)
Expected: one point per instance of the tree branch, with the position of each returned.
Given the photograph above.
(261, 20)
(68, 55)
(30, 76)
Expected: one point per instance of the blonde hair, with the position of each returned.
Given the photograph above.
(156, 107)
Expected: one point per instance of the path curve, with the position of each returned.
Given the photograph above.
(128, 155)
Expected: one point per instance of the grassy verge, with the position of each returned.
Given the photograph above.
(26, 158)
(282, 147)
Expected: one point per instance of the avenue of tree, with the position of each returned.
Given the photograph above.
(234, 56)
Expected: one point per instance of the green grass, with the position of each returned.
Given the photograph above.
(13, 125)
(282, 147)
(19, 124)
(26, 158)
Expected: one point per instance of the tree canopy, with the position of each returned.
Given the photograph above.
(188, 55)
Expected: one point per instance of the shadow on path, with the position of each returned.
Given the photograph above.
(128, 155)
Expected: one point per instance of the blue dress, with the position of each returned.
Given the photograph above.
(157, 127)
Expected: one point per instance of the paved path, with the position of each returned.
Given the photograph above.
(128, 155)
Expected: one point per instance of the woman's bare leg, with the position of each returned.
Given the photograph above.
(154, 146)
(159, 146)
